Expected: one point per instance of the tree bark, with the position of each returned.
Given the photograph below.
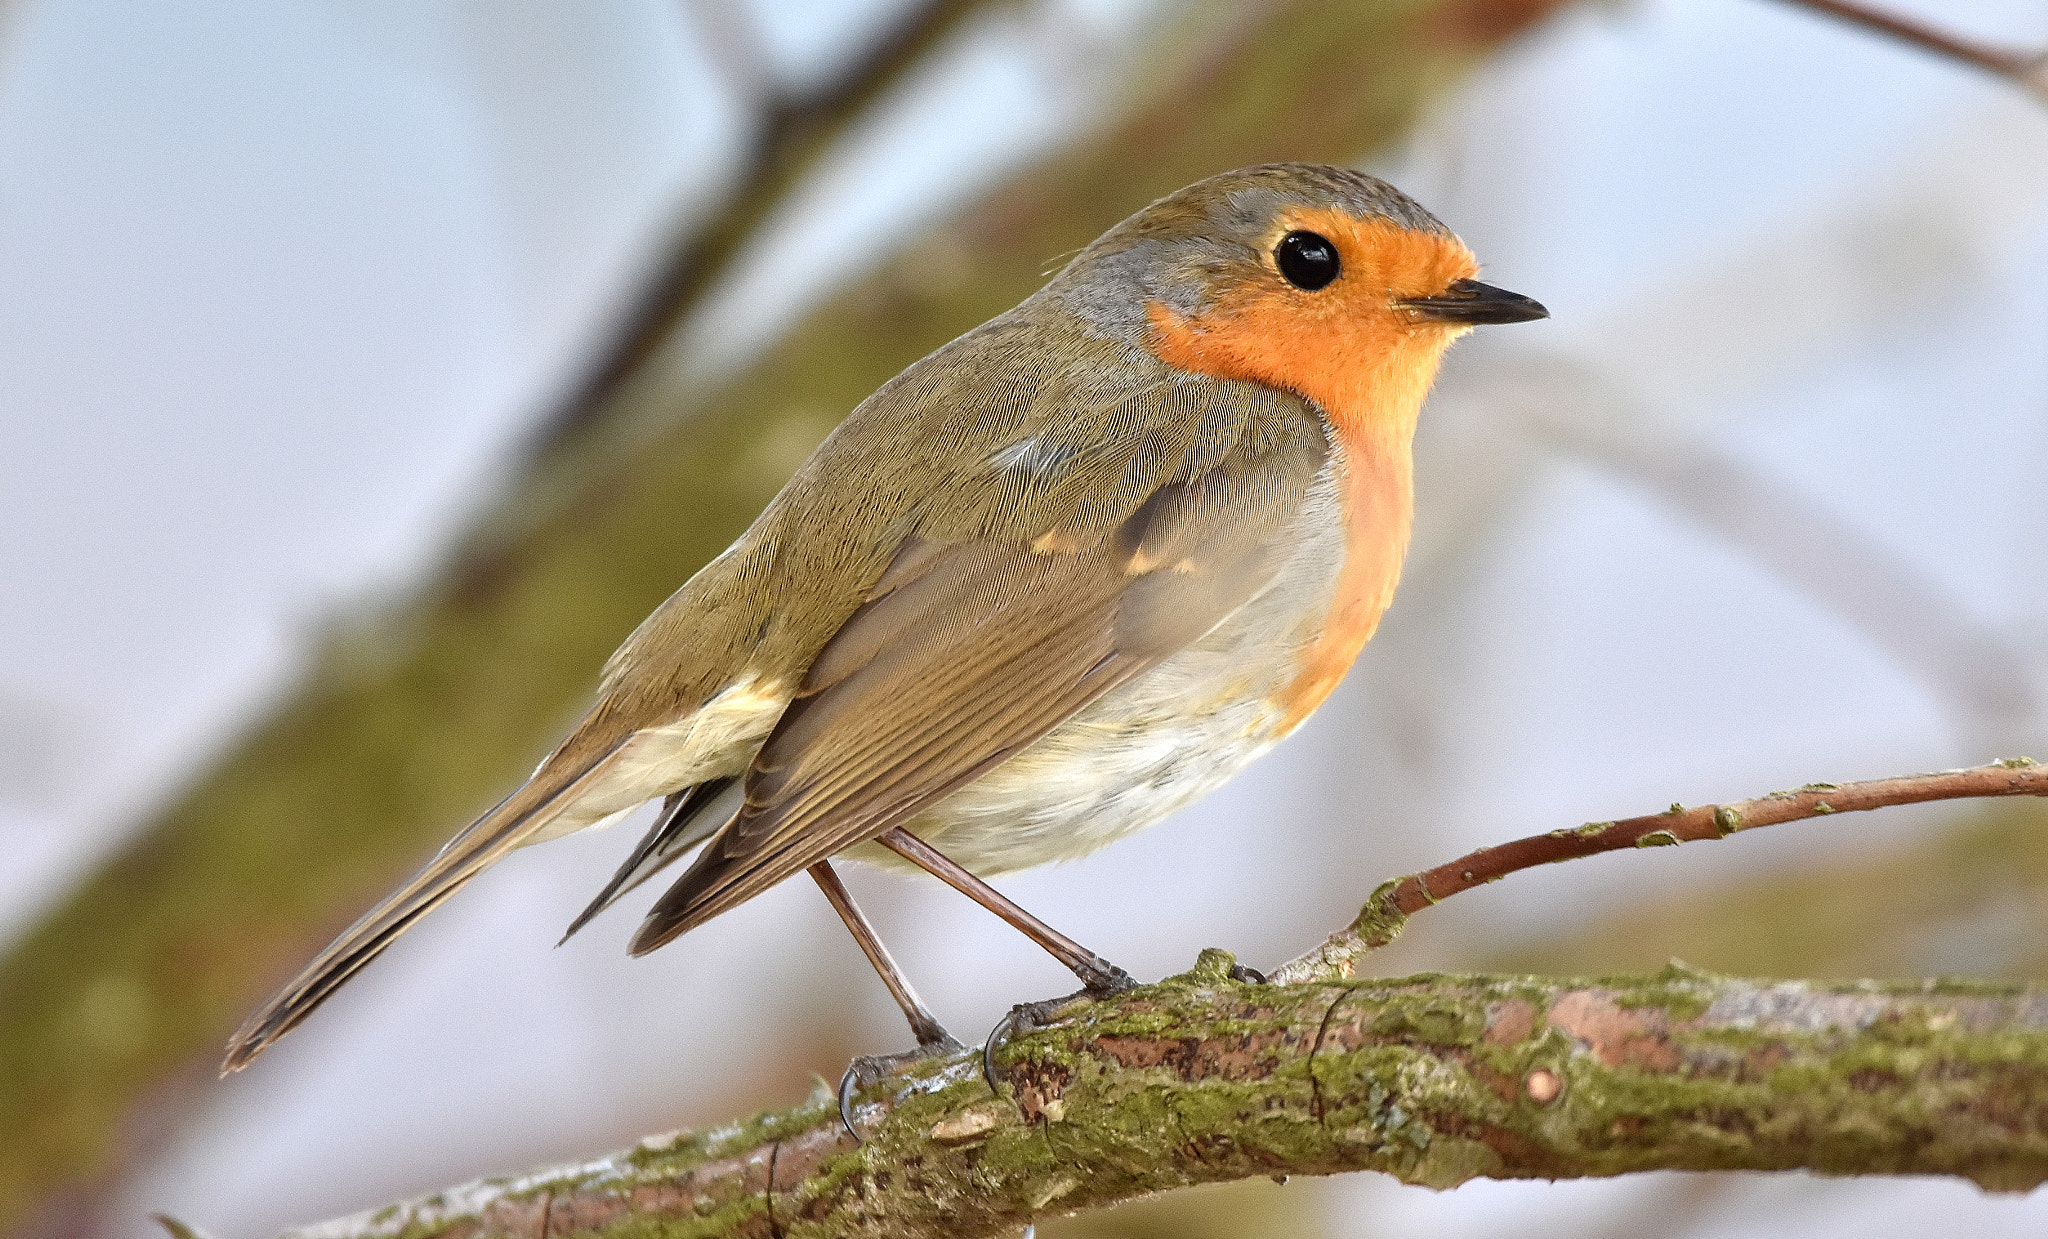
(1433, 1079)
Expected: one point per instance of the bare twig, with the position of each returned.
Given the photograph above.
(1435, 1080)
(1387, 912)
(2026, 69)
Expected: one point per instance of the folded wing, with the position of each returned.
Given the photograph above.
(989, 629)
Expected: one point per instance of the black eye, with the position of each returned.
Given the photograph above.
(1307, 259)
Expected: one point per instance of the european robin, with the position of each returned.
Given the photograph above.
(1057, 579)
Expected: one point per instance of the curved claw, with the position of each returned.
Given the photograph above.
(1026, 1016)
(1005, 1028)
(866, 1069)
(849, 1084)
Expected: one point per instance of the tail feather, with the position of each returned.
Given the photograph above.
(687, 819)
(482, 844)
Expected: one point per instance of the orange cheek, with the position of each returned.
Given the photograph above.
(1363, 369)
(1344, 347)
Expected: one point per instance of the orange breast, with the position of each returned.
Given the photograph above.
(1378, 504)
(1368, 367)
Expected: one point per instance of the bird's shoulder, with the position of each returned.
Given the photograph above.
(1028, 425)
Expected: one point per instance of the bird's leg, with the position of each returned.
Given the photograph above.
(923, 1024)
(1097, 973)
(932, 1037)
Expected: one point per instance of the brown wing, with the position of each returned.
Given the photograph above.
(970, 648)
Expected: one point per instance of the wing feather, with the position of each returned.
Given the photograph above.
(687, 818)
(987, 632)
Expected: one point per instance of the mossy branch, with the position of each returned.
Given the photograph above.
(1386, 913)
(1204, 1078)
(1433, 1079)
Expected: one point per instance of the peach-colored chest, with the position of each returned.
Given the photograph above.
(1375, 486)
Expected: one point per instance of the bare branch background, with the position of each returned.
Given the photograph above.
(2026, 69)
(417, 710)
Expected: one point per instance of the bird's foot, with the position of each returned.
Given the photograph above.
(869, 1068)
(1026, 1016)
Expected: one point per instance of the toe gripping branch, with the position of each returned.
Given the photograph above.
(869, 1068)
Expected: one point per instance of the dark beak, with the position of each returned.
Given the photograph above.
(1469, 301)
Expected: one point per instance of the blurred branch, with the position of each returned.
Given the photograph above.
(2026, 69)
(794, 128)
(1972, 666)
(1387, 912)
(1433, 1079)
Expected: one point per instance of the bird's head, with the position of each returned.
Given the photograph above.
(1315, 279)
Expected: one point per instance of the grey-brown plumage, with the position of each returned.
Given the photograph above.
(1040, 588)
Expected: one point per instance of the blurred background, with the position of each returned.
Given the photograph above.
(367, 370)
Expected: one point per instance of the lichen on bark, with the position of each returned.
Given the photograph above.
(1433, 1079)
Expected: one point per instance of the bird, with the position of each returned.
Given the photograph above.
(1057, 579)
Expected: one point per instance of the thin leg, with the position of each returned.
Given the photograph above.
(932, 1037)
(923, 1024)
(1097, 973)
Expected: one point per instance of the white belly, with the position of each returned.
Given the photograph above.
(1156, 743)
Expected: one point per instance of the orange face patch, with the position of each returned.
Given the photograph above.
(1344, 346)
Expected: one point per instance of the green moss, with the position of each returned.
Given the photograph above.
(1212, 967)
(1430, 1022)
(1435, 1109)
(1379, 921)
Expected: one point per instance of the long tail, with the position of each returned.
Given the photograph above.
(476, 849)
